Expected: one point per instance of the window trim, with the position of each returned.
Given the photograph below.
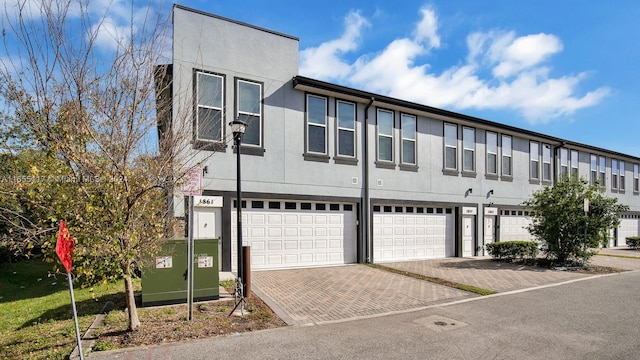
(446, 146)
(208, 144)
(563, 164)
(593, 166)
(488, 152)
(509, 156)
(602, 171)
(614, 174)
(414, 140)
(546, 163)
(311, 155)
(339, 128)
(575, 166)
(636, 179)
(379, 161)
(240, 114)
(533, 160)
(622, 187)
(465, 149)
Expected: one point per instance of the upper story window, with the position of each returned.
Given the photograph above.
(564, 163)
(614, 174)
(602, 167)
(346, 117)
(408, 139)
(546, 162)
(210, 104)
(468, 149)
(492, 153)
(534, 160)
(574, 163)
(507, 159)
(316, 124)
(450, 146)
(622, 177)
(594, 170)
(249, 107)
(385, 135)
(636, 179)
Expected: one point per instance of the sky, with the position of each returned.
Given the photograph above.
(566, 68)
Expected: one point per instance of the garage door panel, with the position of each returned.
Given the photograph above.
(297, 237)
(406, 236)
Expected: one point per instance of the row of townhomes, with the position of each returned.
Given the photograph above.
(336, 175)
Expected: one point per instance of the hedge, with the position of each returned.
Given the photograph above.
(634, 242)
(511, 250)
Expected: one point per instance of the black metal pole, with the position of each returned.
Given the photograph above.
(238, 140)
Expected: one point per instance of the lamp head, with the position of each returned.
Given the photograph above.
(238, 126)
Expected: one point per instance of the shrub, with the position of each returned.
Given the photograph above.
(633, 242)
(511, 250)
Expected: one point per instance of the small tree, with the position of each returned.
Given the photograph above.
(560, 222)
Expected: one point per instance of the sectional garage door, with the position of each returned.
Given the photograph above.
(290, 234)
(513, 225)
(629, 226)
(411, 233)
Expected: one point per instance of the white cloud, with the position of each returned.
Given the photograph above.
(519, 66)
(324, 61)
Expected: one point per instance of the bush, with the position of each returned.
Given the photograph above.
(633, 242)
(511, 250)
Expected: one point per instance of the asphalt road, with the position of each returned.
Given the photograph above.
(590, 319)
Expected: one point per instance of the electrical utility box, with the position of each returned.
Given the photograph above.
(164, 278)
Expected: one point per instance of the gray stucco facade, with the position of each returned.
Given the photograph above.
(281, 166)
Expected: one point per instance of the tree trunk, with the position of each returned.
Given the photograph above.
(134, 322)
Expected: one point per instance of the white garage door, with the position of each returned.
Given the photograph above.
(513, 225)
(629, 226)
(289, 234)
(410, 233)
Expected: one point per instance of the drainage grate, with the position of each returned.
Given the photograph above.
(439, 323)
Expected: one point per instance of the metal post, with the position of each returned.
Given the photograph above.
(75, 317)
(238, 140)
(190, 263)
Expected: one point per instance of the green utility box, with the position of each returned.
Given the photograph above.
(164, 279)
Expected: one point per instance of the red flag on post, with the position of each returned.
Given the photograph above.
(64, 246)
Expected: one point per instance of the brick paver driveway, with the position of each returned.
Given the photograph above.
(317, 295)
(486, 273)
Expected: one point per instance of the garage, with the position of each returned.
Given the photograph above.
(412, 232)
(629, 226)
(513, 225)
(292, 234)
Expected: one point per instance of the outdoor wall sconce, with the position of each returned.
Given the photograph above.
(491, 192)
(470, 191)
(205, 170)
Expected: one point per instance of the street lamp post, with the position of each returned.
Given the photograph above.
(237, 127)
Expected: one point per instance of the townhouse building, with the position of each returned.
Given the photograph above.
(335, 175)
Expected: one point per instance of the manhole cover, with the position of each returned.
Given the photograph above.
(439, 323)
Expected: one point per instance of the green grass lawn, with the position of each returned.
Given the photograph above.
(36, 318)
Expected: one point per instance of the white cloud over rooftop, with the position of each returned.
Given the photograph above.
(502, 71)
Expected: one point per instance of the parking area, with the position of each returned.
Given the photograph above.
(317, 295)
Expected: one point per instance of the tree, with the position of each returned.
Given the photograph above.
(80, 118)
(560, 222)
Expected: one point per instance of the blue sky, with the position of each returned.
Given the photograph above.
(566, 68)
(563, 68)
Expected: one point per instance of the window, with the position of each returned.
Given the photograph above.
(450, 146)
(614, 174)
(636, 179)
(346, 115)
(602, 167)
(506, 156)
(249, 105)
(594, 169)
(316, 124)
(546, 162)
(534, 160)
(574, 163)
(564, 163)
(492, 153)
(210, 104)
(385, 135)
(622, 185)
(408, 139)
(468, 149)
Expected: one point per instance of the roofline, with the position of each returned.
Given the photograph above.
(182, 7)
(302, 81)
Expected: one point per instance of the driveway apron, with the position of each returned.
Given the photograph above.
(318, 295)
